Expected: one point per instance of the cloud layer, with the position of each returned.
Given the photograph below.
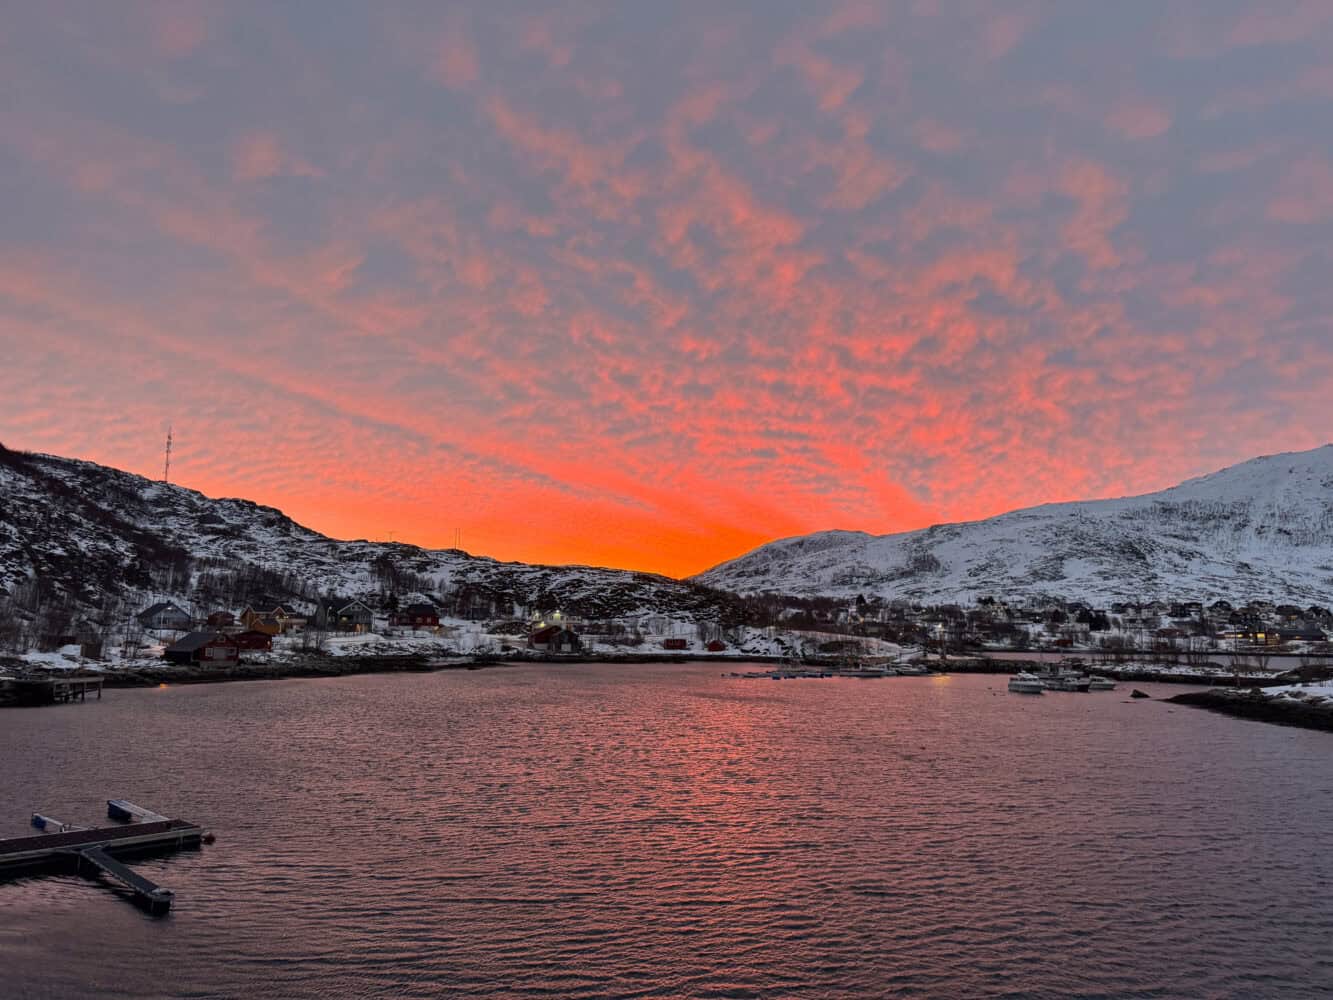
(648, 287)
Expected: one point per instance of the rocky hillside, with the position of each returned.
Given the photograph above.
(96, 540)
(1261, 529)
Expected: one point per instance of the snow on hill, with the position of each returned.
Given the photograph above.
(1261, 529)
(91, 537)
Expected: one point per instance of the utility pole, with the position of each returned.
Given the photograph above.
(166, 461)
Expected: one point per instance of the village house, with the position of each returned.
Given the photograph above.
(220, 620)
(253, 639)
(341, 614)
(1301, 632)
(555, 639)
(416, 616)
(164, 615)
(207, 648)
(276, 621)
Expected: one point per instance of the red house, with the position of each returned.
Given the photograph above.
(253, 639)
(208, 648)
(554, 639)
(675, 644)
(715, 646)
(416, 616)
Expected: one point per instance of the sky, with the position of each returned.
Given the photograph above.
(647, 285)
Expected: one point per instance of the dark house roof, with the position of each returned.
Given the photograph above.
(195, 640)
(1304, 631)
(340, 604)
(154, 610)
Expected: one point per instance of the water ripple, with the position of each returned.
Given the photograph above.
(662, 832)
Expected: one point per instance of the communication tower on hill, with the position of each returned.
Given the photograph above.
(166, 460)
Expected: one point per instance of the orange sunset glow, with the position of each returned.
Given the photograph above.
(647, 287)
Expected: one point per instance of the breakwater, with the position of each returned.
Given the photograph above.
(1254, 704)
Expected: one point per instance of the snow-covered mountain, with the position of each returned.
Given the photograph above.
(97, 541)
(90, 537)
(1259, 530)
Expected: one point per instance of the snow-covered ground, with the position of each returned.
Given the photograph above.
(467, 639)
(1313, 691)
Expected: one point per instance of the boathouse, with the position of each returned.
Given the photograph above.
(207, 648)
(555, 639)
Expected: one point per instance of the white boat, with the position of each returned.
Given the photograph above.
(867, 670)
(1064, 679)
(1096, 683)
(1025, 683)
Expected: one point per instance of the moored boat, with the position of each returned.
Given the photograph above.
(1026, 683)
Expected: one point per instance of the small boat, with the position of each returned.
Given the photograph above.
(1096, 683)
(1025, 683)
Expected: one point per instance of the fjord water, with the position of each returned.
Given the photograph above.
(660, 831)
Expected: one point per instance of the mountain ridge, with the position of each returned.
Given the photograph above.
(1253, 515)
(96, 539)
(87, 536)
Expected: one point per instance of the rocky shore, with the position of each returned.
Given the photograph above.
(307, 666)
(1142, 671)
(322, 665)
(1262, 706)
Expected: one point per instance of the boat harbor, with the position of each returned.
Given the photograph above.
(98, 852)
(856, 671)
(1067, 676)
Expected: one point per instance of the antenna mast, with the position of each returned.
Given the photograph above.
(166, 461)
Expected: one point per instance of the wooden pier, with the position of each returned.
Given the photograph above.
(53, 690)
(94, 852)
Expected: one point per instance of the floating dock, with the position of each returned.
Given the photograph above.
(94, 852)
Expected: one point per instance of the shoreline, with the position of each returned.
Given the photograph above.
(322, 665)
(1258, 707)
(1157, 674)
(317, 666)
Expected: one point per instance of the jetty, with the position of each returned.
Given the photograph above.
(98, 851)
(50, 690)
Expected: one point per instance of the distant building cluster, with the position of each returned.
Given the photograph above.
(223, 636)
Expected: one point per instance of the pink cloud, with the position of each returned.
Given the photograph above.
(456, 64)
(260, 155)
(1102, 205)
(1138, 119)
(831, 82)
(937, 137)
(1305, 193)
(179, 27)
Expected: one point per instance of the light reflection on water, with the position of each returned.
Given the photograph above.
(661, 831)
